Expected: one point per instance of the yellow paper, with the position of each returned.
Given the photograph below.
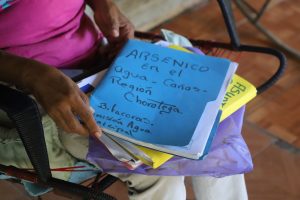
(238, 93)
(158, 158)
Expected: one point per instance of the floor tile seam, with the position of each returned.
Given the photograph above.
(278, 142)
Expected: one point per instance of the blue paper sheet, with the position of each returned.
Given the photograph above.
(158, 95)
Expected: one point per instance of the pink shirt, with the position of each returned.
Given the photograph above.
(55, 32)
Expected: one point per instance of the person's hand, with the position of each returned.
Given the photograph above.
(116, 28)
(112, 23)
(62, 100)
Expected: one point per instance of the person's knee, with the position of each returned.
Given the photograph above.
(154, 187)
(226, 188)
(75, 144)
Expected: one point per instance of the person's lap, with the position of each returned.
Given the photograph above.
(65, 148)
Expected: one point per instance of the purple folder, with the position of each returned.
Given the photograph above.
(228, 155)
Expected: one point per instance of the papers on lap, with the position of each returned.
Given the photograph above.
(162, 98)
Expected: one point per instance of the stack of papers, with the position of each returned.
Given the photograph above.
(156, 102)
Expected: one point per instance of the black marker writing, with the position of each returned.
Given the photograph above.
(150, 103)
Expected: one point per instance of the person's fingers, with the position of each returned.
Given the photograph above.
(112, 25)
(73, 123)
(60, 121)
(86, 116)
(84, 98)
(127, 30)
(115, 26)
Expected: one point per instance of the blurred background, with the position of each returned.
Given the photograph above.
(272, 121)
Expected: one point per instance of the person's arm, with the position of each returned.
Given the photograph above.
(58, 94)
(113, 24)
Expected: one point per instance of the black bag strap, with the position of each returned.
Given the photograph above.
(24, 113)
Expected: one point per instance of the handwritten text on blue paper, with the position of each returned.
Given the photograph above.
(148, 87)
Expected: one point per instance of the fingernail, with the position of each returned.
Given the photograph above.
(115, 33)
(92, 110)
(97, 134)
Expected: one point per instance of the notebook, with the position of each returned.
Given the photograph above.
(162, 98)
(238, 93)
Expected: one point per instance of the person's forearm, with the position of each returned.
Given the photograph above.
(58, 94)
(15, 70)
(96, 4)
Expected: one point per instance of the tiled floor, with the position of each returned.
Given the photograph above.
(272, 122)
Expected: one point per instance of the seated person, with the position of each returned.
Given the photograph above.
(39, 37)
(36, 39)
